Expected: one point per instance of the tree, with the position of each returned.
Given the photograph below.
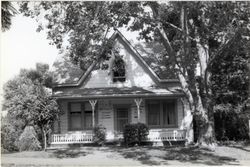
(7, 12)
(27, 97)
(193, 34)
(230, 84)
(202, 34)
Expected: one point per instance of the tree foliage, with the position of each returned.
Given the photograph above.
(28, 140)
(27, 98)
(11, 129)
(84, 25)
(230, 84)
(7, 12)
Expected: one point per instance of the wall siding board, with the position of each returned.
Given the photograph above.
(64, 117)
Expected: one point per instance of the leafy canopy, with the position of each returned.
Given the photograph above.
(82, 25)
(26, 97)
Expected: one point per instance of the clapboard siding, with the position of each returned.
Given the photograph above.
(136, 75)
(64, 117)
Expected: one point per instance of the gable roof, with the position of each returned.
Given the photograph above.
(77, 81)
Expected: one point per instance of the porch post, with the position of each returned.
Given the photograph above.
(93, 103)
(138, 103)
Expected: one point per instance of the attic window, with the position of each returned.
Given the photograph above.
(118, 70)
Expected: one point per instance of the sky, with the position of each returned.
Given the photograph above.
(23, 47)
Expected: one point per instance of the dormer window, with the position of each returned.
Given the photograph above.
(118, 70)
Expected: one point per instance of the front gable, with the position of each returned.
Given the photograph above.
(141, 80)
(136, 73)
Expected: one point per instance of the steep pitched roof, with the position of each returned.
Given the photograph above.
(71, 76)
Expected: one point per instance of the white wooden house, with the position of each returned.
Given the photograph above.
(114, 99)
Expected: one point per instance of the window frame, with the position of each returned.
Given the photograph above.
(82, 115)
(119, 77)
(161, 125)
(70, 128)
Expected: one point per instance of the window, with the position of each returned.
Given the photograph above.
(154, 113)
(169, 117)
(118, 70)
(75, 116)
(80, 116)
(87, 116)
(162, 113)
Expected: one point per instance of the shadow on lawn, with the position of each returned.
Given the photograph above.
(241, 148)
(136, 153)
(149, 155)
(69, 153)
(198, 156)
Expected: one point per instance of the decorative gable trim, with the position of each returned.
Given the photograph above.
(116, 34)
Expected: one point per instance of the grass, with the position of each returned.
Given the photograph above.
(114, 155)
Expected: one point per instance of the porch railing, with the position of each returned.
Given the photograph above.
(166, 135)
(71, 138)
(154, 136)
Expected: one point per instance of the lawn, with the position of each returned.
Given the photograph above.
(134, 156)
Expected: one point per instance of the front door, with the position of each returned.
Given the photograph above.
(122, 117)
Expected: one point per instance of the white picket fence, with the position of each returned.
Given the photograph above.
(154, 136)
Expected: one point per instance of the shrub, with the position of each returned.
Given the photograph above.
(99, 134)
(135, 133)
(230, 126)
(28, 140)
(9, 135)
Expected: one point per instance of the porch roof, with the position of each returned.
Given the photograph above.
(111, 92)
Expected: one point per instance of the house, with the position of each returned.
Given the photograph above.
(128, 92)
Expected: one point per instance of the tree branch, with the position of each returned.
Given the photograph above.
(172, 55)
(178, 29)
(223, 48)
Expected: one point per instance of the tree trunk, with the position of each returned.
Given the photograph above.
(44, 139)
(198, 104)
(187, 122)
(205, 123)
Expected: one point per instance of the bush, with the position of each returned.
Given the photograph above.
(28, 140)
(9, 135)
(135, 133)
(99, 135)
(231, 126)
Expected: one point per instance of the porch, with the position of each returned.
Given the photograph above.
(163, 115)
(87, 137)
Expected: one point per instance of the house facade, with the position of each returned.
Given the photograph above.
(128, 91)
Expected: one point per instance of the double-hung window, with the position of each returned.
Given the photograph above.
(162, 113)
(80, 116)
(75, 116)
